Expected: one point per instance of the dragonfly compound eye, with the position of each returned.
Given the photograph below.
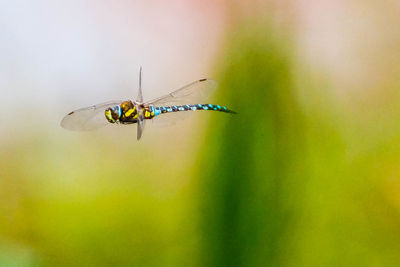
(109, 115)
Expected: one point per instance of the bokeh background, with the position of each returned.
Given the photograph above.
(307, 174)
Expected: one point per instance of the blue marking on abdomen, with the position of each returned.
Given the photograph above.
(177, 108)
(155, 110)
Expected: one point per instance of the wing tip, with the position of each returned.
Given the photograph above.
(211, 82)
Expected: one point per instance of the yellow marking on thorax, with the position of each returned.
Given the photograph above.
(147, 114)
(129, 112)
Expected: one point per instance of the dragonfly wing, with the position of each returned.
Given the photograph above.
(193, 93)
(140, 94)
(140, 127)
(169, 119)
(89, 118)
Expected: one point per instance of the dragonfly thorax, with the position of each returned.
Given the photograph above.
(126, 113)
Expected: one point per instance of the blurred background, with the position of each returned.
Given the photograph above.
(308, 172)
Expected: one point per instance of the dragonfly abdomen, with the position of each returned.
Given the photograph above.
(193, 107)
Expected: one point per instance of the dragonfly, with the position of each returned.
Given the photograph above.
(183, 100)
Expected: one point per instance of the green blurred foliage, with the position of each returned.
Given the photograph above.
(281, 184)
(88, 202)
(253, 176)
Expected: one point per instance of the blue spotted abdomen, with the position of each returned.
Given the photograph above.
(193, 107)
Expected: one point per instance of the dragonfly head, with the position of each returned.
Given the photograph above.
(113, 114)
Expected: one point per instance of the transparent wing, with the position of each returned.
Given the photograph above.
(89, 118)
(140, 94)
(140, 127)
(193, 93)
(169, 119)
(140, 123)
